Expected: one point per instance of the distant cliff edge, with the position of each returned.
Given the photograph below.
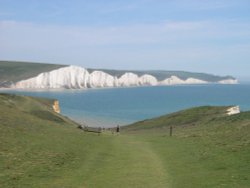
(75, 77)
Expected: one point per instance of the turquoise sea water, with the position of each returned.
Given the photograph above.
(109, 107)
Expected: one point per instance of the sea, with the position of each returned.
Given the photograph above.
(121, 106)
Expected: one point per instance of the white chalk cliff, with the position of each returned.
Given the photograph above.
(233, 110)
(67, 77)
(228, 81)
(128, 79)
(99, 79)
(148, 80)
(73, 77)
(174, 80)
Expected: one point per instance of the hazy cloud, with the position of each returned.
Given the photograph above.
(169, 44)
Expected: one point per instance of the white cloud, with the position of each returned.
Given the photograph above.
(15, 32)
(164, 45)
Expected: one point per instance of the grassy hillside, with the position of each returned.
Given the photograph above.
(207, 149)
(12, 71)
(190, 117)
(40, 148)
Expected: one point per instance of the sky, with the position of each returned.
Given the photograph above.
(210, 36)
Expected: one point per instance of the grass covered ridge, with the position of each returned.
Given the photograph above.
(208, 148)
(13, 71)
(189, 117)
(40, 148)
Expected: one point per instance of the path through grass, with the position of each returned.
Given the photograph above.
(129, 163)
(40, 148)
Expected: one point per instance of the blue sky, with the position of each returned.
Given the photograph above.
(194, 35)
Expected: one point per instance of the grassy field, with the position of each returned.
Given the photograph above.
(39, 148)
(207, 149)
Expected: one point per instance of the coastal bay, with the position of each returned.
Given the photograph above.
(109, 107)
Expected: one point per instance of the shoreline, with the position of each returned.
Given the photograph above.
(124, 87)
(108, 107)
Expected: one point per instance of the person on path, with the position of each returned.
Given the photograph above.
(118, 129)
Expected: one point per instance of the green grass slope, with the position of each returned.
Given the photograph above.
(193, 116)
(39, 148)
(207, 149)
(12, 71)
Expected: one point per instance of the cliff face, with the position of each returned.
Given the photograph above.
(128, 79)
(228, 81)
(174, 80)
(56, 106)
(73, 77)
(101, 79)
(67, 77)
(233, 110)
(148, 80)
